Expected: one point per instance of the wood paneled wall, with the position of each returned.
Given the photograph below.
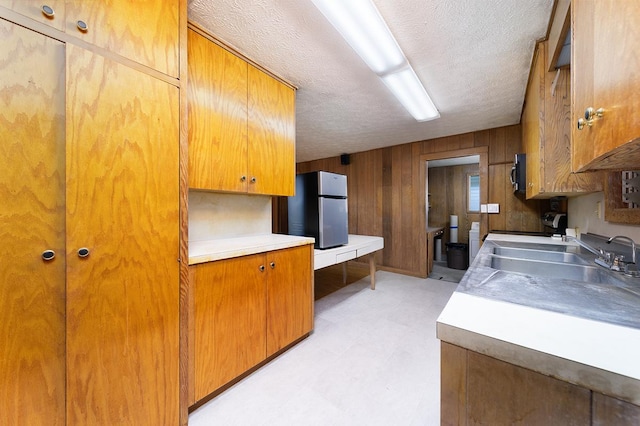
(387, 193)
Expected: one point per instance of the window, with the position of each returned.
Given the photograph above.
(474, 193)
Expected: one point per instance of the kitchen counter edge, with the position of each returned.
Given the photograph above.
(227, 248)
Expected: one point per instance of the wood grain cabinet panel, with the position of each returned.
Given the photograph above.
(49, 12)
(245, 310)
(546, 134)
(32, 220)
(604, 64)
(229, 319)
(611, 411)
(217, 92)
(480, 390)
(241, 124)
(122, 330)
(145, 31)
(289, 296)
(499, 393)
(271, 137)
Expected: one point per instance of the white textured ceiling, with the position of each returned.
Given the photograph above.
(473, 56)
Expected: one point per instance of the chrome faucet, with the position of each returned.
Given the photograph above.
(597, 252)
(625, 265)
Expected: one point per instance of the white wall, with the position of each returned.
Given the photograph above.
(215, 216)
(583, 214)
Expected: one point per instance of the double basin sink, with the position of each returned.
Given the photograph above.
(553, 261)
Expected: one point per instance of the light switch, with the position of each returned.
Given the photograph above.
(483, 208)
(493, 208)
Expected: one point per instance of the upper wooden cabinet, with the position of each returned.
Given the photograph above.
(49, 12)
(217, 92)
(605, 78)
(241, 124)
(546, 134)
(272, 138)
(146, 32)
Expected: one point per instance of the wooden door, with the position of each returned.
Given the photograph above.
(32, 306)
(229, 317)
(145, 31)
(604, 77)
(122, 206)
(533, 124)
(217, 98)
(49, 12)
(289, 296)
(272, 135)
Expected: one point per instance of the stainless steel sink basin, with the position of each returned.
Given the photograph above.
(557, 270)
(543, 255)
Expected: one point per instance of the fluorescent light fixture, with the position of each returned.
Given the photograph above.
(360, 24)
(406, 86)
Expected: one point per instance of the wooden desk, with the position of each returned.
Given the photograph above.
(358, 246)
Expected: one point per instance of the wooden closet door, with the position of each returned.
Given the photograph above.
(272, 135)
(122, 206)
(32, 367)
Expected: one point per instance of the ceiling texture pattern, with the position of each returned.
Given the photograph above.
(473, 57)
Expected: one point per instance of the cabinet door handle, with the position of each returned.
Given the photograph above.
(83, 252)
(47, 11)
(590, 115)
(261, 268)
(253, 179)
(243, 178)
(82, 26)
(48, 255)
(273, 265)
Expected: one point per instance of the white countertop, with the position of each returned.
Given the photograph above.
(598, 355)
(358, 245)
(210, 250)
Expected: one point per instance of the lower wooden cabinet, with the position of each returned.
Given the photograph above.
(244, 310)
(478, 389)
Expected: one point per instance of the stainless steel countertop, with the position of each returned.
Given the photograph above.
(613, 303)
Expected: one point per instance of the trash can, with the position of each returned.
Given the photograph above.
(457, 255)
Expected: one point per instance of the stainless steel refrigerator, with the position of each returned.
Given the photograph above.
(319, 209)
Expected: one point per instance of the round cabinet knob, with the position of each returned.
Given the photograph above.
(591, 113)
(261, 268)
(48, 255)
(47, 11)
(243, 178)
(581, 123)
(273, 265)
(83, 252)
(82, 26)
(253, 179)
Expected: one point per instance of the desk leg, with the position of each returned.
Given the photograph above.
(344, 272)
(372, 271)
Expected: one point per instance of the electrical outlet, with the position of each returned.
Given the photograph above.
(483, 208)
(493, 208)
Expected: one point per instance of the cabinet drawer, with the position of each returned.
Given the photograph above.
(343, 257)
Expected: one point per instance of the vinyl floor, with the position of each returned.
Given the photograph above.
(372, 359)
